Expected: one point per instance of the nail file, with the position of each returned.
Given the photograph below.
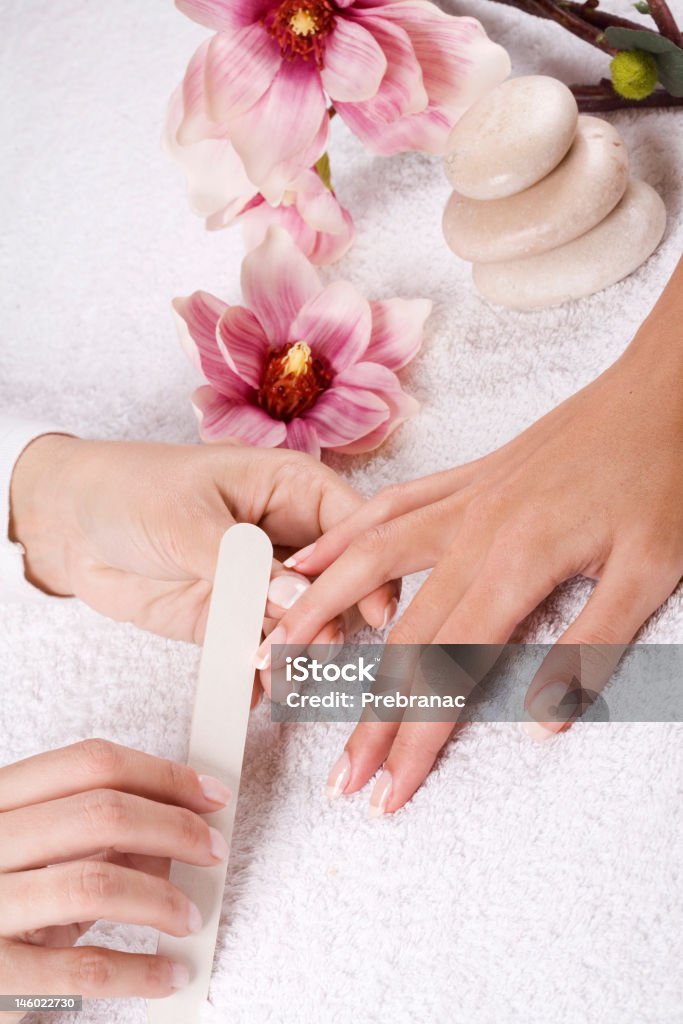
(217, 739)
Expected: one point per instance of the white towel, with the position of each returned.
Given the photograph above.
(528, 884)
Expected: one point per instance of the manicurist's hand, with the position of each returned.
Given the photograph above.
(133, 529)
(87, 832)
(594, 488)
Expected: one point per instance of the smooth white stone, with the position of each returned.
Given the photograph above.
(573, 198)
(511, 138)
(601, 257)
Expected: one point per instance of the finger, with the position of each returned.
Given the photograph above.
(389, 503)
(409, 762)
(588, 652)
(77, 826)
(100, 764)
(88, 971)
(404, 545)
(90, 890)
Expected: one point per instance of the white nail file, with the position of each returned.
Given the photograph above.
(217, 738)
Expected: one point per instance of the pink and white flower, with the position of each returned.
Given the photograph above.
(300, 365)
(399, 72)
(219, 190)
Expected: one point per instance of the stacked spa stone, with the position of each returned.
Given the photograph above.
(543, 204)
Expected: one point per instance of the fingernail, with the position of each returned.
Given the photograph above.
(194, 919)
(285, 591)
(390, 613)
(299, 556)
(219, 847)
(553, 705)
(214, 790)
(262, 658)
(380, 795)
(537, 731)
(338, 777)
(180, 976)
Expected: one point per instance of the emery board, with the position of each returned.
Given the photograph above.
(217, 739)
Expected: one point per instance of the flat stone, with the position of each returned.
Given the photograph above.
(511, 138)
(573, 198)
(601, 257)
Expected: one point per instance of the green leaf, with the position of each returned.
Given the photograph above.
(324, 170)
(639, 39)
(642, 7)
(670, 68)
(668, 56)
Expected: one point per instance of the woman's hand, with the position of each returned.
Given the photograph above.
(87, 832)
(133, 529)
(594, 488)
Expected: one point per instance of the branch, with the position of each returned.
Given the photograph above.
(665, 21)
(593, 99)
(566, 18)
(603, 19)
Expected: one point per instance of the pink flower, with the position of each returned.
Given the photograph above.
(302, 365)
(219, 191)
(399, 72)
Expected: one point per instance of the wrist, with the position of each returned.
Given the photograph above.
(40, 517)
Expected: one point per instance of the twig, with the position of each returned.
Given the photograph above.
(566, 18)
(593, 99)
(603, 19)
(665, 21)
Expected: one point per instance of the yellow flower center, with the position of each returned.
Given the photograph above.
(303, 23)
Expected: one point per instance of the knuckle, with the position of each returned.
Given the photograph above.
(99, 757)
(373, 540)
(387, 499)
(178, 778)
(156, 974)
(92, 883)
(174, 902)
(93, 971)
(104, 810)
(404, 634)
(193, 831)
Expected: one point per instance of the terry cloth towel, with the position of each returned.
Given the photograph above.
(523, 883)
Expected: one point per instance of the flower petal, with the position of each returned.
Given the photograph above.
(243, 344)
(346, 414)
(302, 437)
(216, 183)
(195, 124)
(320, 247)
(285, 123)
(196, 318)
(397, 326)
(221, 15)
(240, 67)
(386, 385)
(336, 324)
(221, 419)
(354, 63)
(277, 280)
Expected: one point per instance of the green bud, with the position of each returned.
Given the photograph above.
(634, 74)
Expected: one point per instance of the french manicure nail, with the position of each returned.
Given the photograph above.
(263, 656)
(299, 556)
(537, 731)
(219, 847)
(554, 705)
(194, 918)
(180, 976)
(380, 795)
(214, 790)
(390, 613)
(338, 777)
(285, 591)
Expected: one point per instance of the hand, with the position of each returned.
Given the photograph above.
(134, 529)
(593, 489)
(87, 832)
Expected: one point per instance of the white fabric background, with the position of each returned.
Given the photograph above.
(523, 883)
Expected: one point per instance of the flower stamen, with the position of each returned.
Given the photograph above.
(301, 27)
(292, 381)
